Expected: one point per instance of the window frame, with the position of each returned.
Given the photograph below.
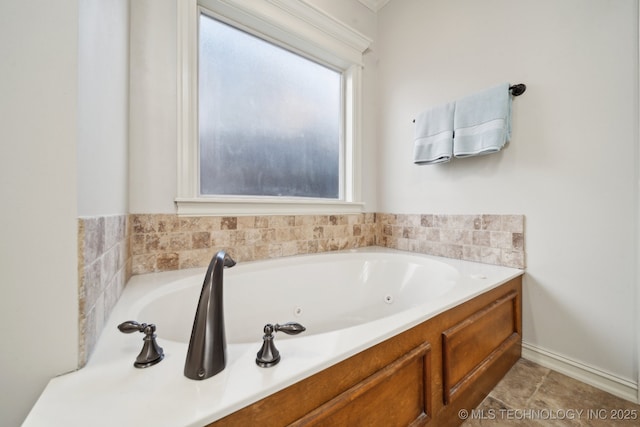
(303, 29)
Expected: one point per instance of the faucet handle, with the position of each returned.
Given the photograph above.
(131, 326)
(269, 355)
(151, 352)
(289, 328)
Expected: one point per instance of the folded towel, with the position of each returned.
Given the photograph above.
(482, 122)
(434, 135)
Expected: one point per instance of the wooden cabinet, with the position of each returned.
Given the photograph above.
(397, 395)
(470, 346)
(423, 376)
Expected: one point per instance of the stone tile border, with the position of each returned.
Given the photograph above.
(104, 267)
(490, 239)
(169, 242)
(112, 248)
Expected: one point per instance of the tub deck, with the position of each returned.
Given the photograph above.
(110, 391)
(428, 375)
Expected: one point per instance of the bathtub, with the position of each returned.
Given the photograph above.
(348, 301)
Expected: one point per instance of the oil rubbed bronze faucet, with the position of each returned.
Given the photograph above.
(207, 353)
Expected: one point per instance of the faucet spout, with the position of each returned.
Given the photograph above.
(207, 352)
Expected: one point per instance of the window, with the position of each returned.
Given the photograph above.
(268, 109)
(269, 120)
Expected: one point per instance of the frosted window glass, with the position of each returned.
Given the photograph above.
(269, 119)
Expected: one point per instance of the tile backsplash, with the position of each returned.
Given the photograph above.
(490, 239)
(112, 248)
(169, 242)
(104, 267)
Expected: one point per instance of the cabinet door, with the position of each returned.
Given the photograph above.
(470, 346)
(397, 395)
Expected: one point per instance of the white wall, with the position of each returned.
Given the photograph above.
(153, 107)
(365, 21)
(153, 114)
(38, 248)
(103, 107)
(63, 126)
(571, 165)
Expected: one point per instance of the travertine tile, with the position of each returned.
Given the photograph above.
(220, 238)
(141, 264)
(462, 237)
(472, 253)
(491, 222)
(200, 240)
(261, 222)
(403, 244)
(283, 234)
(441, 221)
(473, 237)
(289, 248)
(490, 255)
(168, 262)
(253, 236)
(481, 238)
(167, 223)
(194, 258)
(142, 223)
(175, 242)
(337, 220)
(112, 248)
(513, 223)
(276, 221)
(229, 223)
(244, 253)
(93, 241)
(246, 222)
(501, 239)
(518, 241)
(512, 258)
(426, 220)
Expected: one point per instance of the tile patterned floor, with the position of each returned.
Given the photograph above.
(531, 395)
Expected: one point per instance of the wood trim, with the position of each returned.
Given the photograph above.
(296, 401)
(361, 391)
(470, 346)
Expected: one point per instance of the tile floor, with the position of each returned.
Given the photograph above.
(531, 395)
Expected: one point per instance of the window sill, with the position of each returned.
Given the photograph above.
(233, 206)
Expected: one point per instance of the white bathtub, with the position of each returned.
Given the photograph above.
(324, 292)
(348, 301)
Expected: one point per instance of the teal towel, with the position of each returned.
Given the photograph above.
(433, 141)
(482, 122)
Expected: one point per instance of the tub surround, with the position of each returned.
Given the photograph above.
(112, 248)
(110, 381)
(104, 267)
(168, 242)
(426, 375)
(490, 239)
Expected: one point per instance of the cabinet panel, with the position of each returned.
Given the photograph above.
(475, 341)
(403, 380)
(397, 395)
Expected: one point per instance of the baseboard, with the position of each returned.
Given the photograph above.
(620, 387)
